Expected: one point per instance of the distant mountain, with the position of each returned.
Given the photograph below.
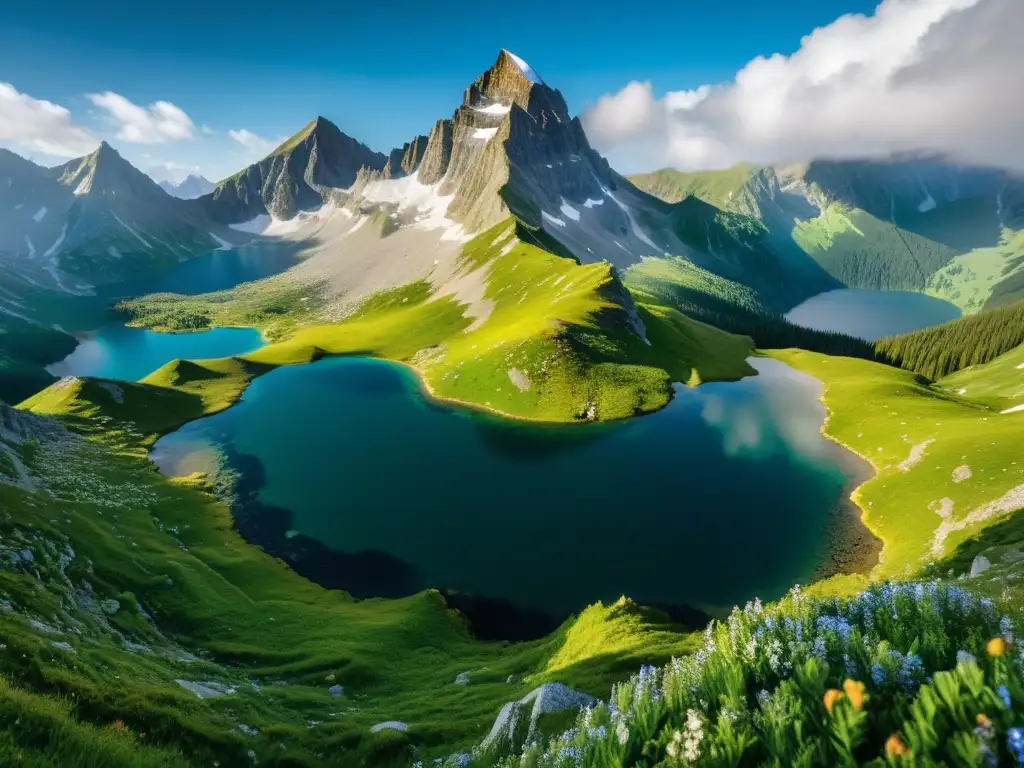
(902, 224)
(301, 174)
(93, 220)
(191, 187)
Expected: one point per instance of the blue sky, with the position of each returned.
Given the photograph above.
(382, 71)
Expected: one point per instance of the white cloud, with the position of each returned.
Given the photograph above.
(171, 171)
(158, 123)
(917, 75)
(41, 125)
(257, 145)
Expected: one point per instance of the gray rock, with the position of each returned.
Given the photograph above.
(980, 565)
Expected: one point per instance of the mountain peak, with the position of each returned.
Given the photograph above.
(508, 59)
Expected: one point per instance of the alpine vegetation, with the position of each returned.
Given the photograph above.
(902, 674)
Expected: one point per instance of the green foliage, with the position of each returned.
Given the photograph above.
(732, 307)
(902, 674)
(940, 350)
(719, 188)
(864, 252)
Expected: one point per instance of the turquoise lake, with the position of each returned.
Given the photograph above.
(871, 315)
(116, 351)
(729, 492)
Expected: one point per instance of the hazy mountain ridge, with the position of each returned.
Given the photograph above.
(191, 187)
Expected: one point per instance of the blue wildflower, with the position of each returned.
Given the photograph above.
(1004, 694)
(963, 657)
(878, 674)
(1015, 742)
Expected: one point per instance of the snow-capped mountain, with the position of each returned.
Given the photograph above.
(191, 187)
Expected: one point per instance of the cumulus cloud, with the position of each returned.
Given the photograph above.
(257, 145)
(938, 76)
(169, 170)
(158, 123)
(41, 125)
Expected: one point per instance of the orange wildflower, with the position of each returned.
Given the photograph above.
(894, 746)
(996, 647)
(855, 693)
(983, 722)
(832, 695)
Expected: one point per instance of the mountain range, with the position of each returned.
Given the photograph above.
(511, 151)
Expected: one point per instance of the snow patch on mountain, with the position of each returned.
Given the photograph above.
(928, 204)
(552, 219)
(590, 203)
(31, 248)
(640, 234)
(528, 72)
(38, 215)
(140, 238)
(493, 109)
(485, 133)
(568, 211)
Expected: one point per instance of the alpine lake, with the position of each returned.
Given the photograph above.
(345, 469)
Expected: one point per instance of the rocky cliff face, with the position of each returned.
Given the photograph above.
(301, 174)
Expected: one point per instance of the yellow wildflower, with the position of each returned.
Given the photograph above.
(996, 647)
(855, 693)
(983, 722)
(832, 695)
(894, 746)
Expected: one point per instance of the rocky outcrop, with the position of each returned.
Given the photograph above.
(406, 160)
(301, 174)
(438, 153)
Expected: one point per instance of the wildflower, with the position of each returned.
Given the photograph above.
(983, 721)
(877, 674)
(1015, 743)
(996, 647)
(855, 693)
(832, 695)
(693, 736)
(894, 746)
(622, 732)
(763, 696)
(1006, 629)
(1004, 695)
(963, 657)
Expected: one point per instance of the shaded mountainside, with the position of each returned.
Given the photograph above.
(91, 221)
(914, 224)
(298, 175)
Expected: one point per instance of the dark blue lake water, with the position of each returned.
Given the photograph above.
(729, 492)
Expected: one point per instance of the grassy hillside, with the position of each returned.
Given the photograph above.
(730, 306)
(541, 338)
(983, 278)
(946, 464)
(719, 188)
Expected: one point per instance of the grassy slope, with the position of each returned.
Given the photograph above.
(139, 538)
(719, 188)
(972, 280)
(562, 326)
(887, 415)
